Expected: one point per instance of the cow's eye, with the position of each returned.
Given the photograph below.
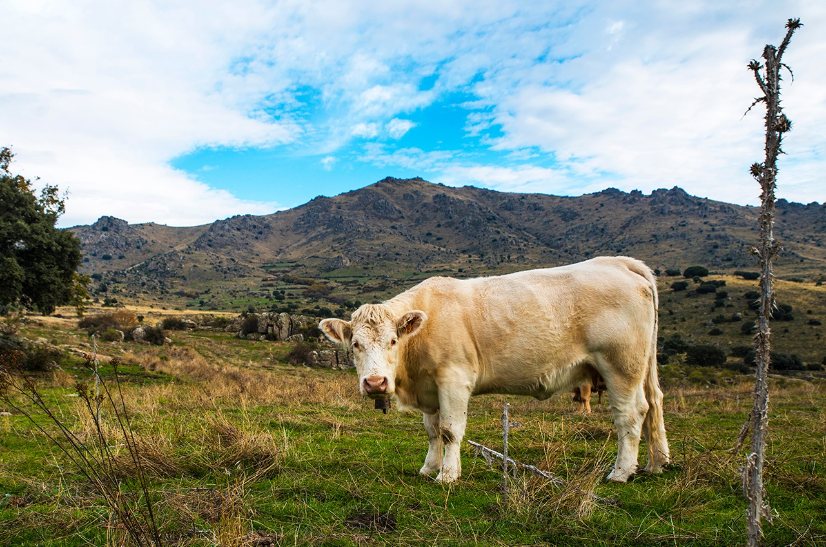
(356, 345)
(393, 342)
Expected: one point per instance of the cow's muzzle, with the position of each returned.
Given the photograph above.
(375, 385)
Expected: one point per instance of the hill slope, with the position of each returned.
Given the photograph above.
(373, 241)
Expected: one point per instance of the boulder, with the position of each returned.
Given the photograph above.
(295, 338)
(283, 326)
(138, 334)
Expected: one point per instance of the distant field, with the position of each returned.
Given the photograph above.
(241, 448)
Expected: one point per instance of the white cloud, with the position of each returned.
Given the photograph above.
(327, 163)
(524, 178)
(366, 130)
(397, 127)
(660, 102)
(99, 97)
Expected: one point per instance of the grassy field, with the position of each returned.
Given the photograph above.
(240, 448)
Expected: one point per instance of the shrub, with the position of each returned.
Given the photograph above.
(716, 331)
(249, 325)
(28, 356)
(783, 312)
(740, 351)
(673, 272)
(706, 287)
(705, 355)
(779, 361)
(154, 335)
(695, 271)
(119, 319)
(747, 275)
(111, 335)
(751, 295)
(814, 322)
(216, 321)
(300, 354)
(674, 344)
(173, 323)
(679, 286)
(748, 327)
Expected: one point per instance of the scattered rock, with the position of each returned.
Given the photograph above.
(139, 334)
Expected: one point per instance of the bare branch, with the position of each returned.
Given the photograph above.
(791, 26)
(755, 67)
(787, 67)
(757, 100)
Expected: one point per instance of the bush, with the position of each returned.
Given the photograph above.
(706, 287)
(695, 271)
(747, 275)
(748, 327)
(814, 322)
(716, 331)
(783, 312)
(751, 295)
(216, 321)
(705, 355)
(249, 325)
(28, 356)
(741, 351)
(779, 361)
(112, 335)
(154, 335)
(300, 354)
(679, 286)
(173, 323)
(119, 319)
(674, 344)
(673, 272)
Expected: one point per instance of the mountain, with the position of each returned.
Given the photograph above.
(375, 241)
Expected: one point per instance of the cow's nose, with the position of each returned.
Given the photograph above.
(375, 384)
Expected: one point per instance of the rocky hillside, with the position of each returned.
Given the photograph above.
(376, 240)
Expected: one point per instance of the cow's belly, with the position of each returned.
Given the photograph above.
(537, 381)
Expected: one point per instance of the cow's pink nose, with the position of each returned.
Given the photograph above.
(375, 384)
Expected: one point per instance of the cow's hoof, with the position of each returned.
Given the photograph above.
(652, 469)
(619, 475)
(428, 471)
(446, 477)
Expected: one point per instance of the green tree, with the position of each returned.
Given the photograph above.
(37, 260)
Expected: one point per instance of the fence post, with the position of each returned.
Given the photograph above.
(505, 430)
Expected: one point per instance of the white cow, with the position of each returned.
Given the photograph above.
(535, 333)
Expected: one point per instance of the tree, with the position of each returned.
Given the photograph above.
(776, 124)
(37, 260)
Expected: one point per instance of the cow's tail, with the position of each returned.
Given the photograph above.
(654, 424)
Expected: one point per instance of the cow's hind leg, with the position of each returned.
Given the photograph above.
(453, 403)
(629, 408)
(585, 393)
(433, 461)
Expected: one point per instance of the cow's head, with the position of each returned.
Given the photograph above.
(374, 335)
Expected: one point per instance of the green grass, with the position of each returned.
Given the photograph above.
(216, 412)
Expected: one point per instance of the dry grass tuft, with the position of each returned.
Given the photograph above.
(242, 446)
(534, 499)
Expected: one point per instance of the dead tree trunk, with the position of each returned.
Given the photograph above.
(768, 79)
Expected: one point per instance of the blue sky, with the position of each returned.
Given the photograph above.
(182, 113)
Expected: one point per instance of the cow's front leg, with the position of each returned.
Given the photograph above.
(453, 402)
(433, 461)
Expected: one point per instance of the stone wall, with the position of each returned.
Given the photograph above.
(272, 326)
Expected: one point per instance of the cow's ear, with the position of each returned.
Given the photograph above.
(410, 323)
(336, 330)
